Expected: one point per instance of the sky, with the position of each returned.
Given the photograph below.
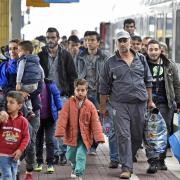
(85, 15)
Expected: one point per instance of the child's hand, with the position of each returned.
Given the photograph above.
(18, 87)
(3, 116)
(17, 154)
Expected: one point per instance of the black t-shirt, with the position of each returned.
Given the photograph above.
(158, 89)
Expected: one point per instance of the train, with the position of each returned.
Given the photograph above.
(159, 19)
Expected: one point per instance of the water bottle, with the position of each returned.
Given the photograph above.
(106, 123)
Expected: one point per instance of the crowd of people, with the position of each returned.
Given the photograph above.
(55, 94)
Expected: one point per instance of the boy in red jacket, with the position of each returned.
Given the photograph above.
(14, 136)
(79, 123)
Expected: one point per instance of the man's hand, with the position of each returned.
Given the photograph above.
(3, 116)
(18, 87)
(25, 94)
(102, 110)
(150, 104)
(17, 154)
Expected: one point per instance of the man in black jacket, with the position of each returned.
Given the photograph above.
(59, 67)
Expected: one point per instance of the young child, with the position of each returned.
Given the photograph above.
(78, 123)
(51, 104)
(29, 71)
(14, 136)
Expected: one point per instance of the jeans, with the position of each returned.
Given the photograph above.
(31, 151)
(94, 100)
(112, 139)
(46, 129)
(77, 157)
(8, 168)
(59, 147)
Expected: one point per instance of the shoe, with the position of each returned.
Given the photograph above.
(56, 160)
(50, 169)
(63, 159)
(92, 152)
(73, 175)
(38, 168)
(78, 178)
(28, 176)
(125, 174)
(113, 164)
(152, 166)
(162, 165)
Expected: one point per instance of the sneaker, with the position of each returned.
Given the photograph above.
(63, 159)
(38, 168)
(113, 164)
(92, 152)
(78, 178)
(125, 174)
(162, 165)
(73, 175)
(152, 166)
(50, 169)
(28, 176)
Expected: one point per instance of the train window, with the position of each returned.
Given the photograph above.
(177, 37)
(169, 32)
(151, 26)
(160, 27)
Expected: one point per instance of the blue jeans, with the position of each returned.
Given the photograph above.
(94, 100)
(8, 168)
(59, 147)
(112, 139)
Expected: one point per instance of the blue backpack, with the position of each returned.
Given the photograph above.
(174, 141)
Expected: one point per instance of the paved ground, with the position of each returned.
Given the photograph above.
(97, 169)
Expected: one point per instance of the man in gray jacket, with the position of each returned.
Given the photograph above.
(127, 79)
(165, 92)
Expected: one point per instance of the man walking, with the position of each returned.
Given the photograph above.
(127, 79)
(59, 67)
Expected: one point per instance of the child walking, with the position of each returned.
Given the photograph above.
(14, 136)
(29, 71)
(78, 123)
(51, 104)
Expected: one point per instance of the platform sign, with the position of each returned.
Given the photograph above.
(37, 3)
(61, 1)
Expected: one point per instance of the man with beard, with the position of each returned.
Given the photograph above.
(59, 67)
(165, 92)
(127, 79)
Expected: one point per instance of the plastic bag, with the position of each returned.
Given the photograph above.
(155, 132)
(174, 141)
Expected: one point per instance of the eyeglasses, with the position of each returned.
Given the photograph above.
(123, 40)
(51, 37)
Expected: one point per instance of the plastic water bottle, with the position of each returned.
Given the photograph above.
(106, 123)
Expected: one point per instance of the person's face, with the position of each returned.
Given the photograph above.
(13, 50)
(92, 42)
(123, 45)
(144, 45)
(80, 92)
(52, 39)
(73, 47)
(12, 105)
(21, 52)
(136, 45)
(130, 28)
(154, 52)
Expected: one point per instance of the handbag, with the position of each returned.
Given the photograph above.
(174, 141)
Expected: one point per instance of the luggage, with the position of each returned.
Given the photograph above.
(155, 132)
(174, 141)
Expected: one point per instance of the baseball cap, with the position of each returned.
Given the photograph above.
(122, 34)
